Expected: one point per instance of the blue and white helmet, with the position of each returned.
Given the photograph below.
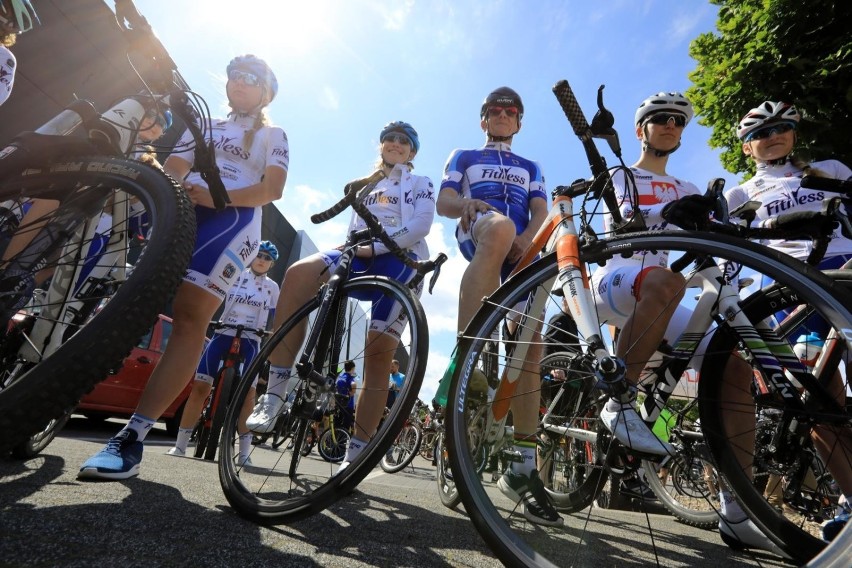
(256, 66)
(402, 128)
(269, 248)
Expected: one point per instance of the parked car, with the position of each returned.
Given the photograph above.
(118, 394)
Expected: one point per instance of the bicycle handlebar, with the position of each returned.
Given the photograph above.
(239, 328)
(827, 184)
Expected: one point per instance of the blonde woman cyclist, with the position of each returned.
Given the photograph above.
(253, 157)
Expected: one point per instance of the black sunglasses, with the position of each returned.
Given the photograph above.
(768, 131)
(663, 118)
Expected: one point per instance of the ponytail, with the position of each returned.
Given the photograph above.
(805, 166)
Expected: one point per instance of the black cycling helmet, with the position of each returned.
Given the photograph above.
(502, 96)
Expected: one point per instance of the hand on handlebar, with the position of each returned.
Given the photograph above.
(198, 194)
(690, 211)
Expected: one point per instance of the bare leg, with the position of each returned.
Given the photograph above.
(371, 402)
(194, 403)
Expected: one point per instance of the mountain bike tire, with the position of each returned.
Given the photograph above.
(36, 392)
(513, 539)
(787, 530)
(268, 493)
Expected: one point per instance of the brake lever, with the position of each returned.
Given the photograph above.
(441, 259)
(602, 125)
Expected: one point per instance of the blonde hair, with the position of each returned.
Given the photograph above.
(806, 167)
(261, 119)
(8, 40)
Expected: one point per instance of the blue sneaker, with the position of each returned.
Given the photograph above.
(830, 529)
(120, 459)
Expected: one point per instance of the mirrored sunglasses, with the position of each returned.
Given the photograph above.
(264, 256)
(397, 138)
(511, 111)
(768, 131)
(248, 79)
(663, 118)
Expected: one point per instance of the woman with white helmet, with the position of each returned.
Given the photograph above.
(768, 135)
(16, 17)
(253, 158)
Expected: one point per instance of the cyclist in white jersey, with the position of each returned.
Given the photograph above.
(405, 205)
(253, 157)
(16, 17)
(250, 302)
(768, 134)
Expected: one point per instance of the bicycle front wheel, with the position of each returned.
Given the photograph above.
(68, 336)
(522, 308)
(403, 450)
(269, 491)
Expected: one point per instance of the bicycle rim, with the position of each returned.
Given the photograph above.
(44, 366)
(267, 492)
(403, 450)
(591, 534)
(796, 526)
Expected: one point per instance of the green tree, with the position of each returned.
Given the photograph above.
(790, 50)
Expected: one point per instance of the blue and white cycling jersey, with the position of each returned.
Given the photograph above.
(495, 175)
(227, 241)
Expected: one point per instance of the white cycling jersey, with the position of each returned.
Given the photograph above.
(239, 166)
(7, 73)
(778, 189)
(250, 302)
(654, 192)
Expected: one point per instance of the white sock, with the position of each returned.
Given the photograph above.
(354, 449)
(278, 378)
(729, 508)
(141, 425)
(527, 449)
(245, 445)
(184, 434)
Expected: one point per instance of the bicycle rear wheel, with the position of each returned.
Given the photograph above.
(46, 365)
(446, 486)
(332, 444)
(268, 492)
(746, 458)
(403, 450)
(590, 535)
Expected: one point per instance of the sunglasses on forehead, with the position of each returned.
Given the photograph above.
(397, 138)
(768, 131)
(248, 79)
(511, 111)
(663, 118)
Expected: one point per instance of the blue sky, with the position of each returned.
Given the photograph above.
(346, 68)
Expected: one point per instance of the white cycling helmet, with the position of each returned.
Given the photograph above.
(672, 102)
(767, 112)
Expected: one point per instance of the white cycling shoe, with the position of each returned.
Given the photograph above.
(745, 534)
(629, 429)
(267, 409)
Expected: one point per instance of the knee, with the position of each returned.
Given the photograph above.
(496, 236)
(662, 287)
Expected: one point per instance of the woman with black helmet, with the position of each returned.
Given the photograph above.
(251, 302)
(405, 204)
(500, 201)
(16, 17)
(253, 158)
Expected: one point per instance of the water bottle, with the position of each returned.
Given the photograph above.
(807, 348)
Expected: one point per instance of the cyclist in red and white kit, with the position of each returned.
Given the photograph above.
(251, 303)
(253, 157)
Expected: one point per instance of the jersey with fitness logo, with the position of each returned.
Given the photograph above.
(495, 175)
(778, 189)
(227, 241)
(7, 73)
(250, 302)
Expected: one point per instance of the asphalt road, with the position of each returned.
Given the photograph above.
(174, 514)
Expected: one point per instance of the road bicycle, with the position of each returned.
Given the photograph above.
(284, 486)
(94, 214)
(209, 426)
(405, 446)
(334, 439)
(578, 448)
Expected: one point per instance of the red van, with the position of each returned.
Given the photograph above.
(118, 394)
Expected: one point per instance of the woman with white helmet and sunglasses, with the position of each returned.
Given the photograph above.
(768, 135)
(253, 159)
(16, 17)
